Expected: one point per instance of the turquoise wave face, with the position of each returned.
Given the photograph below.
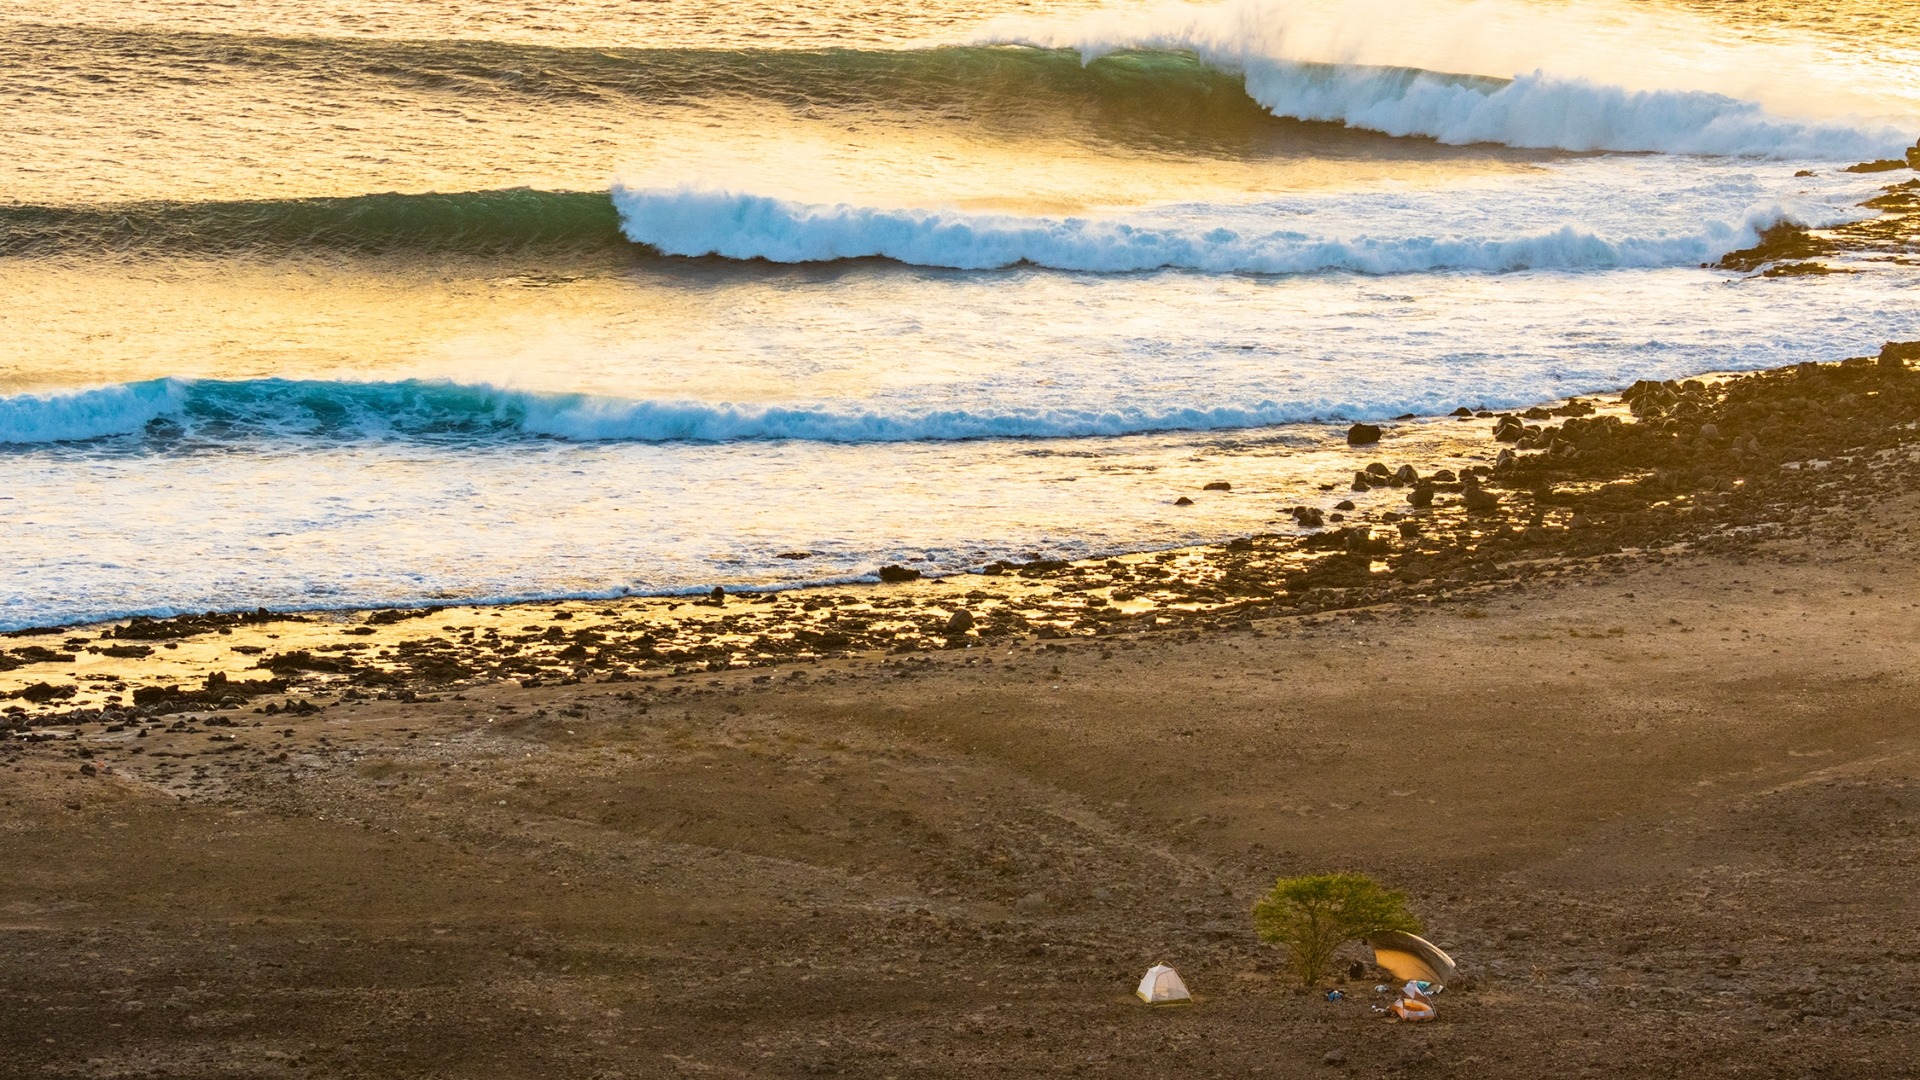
(173, 415)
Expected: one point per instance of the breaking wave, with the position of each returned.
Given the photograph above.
(181, 414)
(1542, 112)
(735, 226)
(1160, 88)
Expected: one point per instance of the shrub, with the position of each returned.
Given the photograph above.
(1313, 916)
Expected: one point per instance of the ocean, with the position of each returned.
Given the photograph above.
(351, 303)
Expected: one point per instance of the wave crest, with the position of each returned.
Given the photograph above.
(187, 412)
(1537, 111)
(737, 226)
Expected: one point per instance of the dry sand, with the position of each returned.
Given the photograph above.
(1660, 799)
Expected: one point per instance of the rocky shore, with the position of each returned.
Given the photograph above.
(1622, 694)
(1717, 465)
(1628, 711)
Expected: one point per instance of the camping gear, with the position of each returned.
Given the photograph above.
(1412, 1009)
(1162, 986)
(1410, 957)
(1413, 1003)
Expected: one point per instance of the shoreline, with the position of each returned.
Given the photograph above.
(1658, 802)
(1533, 489)
(1784, 250)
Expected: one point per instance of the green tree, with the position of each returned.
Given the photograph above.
(1313, 916)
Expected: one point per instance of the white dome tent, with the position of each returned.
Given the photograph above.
(1162, 986)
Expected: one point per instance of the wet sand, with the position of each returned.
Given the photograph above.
(1639, 738)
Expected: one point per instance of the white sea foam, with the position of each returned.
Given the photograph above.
(1223, 240)
(1537, 110)
(1601, 77)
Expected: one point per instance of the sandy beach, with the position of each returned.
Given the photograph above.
(1637, 737)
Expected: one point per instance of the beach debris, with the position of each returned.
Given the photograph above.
(1336, 995)
(1363, 434)
(1162, 986)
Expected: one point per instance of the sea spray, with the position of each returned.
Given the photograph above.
(1599, 76)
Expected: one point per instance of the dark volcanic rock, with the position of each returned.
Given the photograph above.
(142, 628)
(1896, 354)
(302, 660)
(896, 574)
(40, 654)
(1218, 485)
(959, 622)
(1363, 434)
(216, 691)
(40, 693)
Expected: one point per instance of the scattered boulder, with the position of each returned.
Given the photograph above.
(1479, 500)
(1363, 434)
(1509, 429)
(1218, 485)
(1183, 501)
(1421, 496)
(1360, 482)
(40, 693)
(40, 654)
(959, 622)
(893, 575)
